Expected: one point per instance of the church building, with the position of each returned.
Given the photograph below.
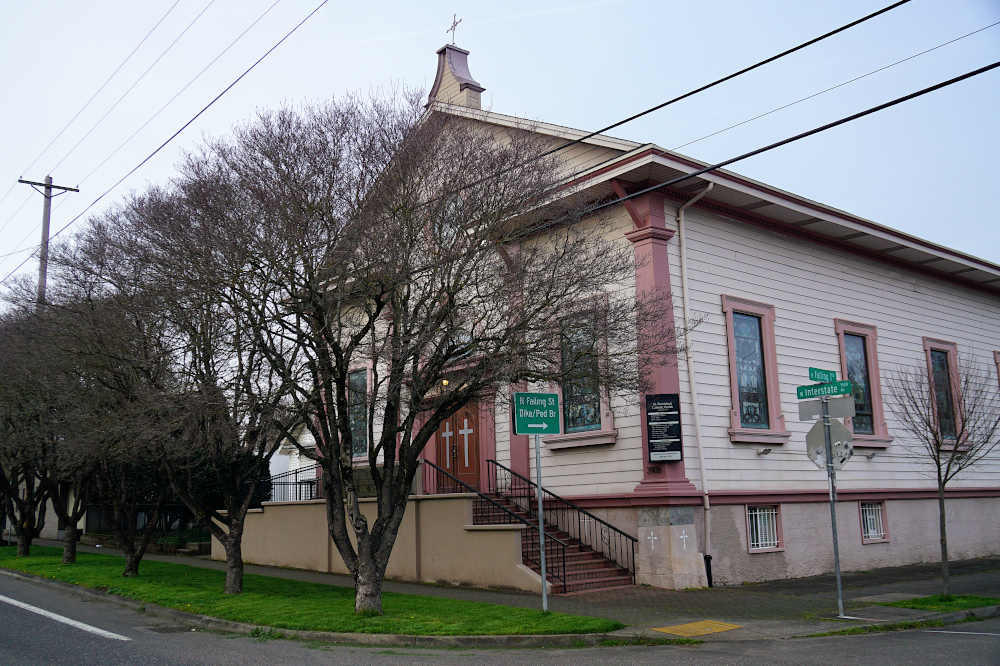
(783, 284)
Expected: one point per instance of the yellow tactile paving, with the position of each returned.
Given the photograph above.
(698, 628)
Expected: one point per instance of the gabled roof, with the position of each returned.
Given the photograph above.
(636, 166)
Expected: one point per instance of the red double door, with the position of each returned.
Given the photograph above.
(458, 445)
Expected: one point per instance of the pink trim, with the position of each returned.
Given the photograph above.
(790, 230)
(951, 348)
(652, 275)
(885, 522)
(777, 519)
(625, 500)
(775, 433)
(881, 437)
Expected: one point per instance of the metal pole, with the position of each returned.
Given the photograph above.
(541, 522)
(832, 475)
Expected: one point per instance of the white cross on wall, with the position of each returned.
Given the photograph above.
(465, 432)
(684, 538)
(446, 435)
(652, 541)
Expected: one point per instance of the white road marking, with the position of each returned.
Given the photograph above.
(969, 633)
(64, 620)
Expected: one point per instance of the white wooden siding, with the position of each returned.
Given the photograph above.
(809, 286)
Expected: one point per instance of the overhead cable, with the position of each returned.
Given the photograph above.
(803, 135)
(179, 92)
(103, 85)
(729, 77)
(125, 94)
(840, 85)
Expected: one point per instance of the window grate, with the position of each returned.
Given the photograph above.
(871, 521)
(763, 526)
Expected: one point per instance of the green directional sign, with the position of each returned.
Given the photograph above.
(536, 413)
(817, 390)
(817, 375)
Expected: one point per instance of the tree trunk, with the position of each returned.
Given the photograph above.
(234, 565)
(23, 544)
(132, 560)
(946, 582)
(367, 588)
(69, 550)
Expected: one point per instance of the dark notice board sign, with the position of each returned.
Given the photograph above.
(663, 427)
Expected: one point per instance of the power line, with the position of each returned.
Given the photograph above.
(185, 126)
(175, 134)
(803, 135)
(840, 85)
(727, 78)
(691, 93)
(103, 85)
(26, 200)
(171, 100)
(113, 106)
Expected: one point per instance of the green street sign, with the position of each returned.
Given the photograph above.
(817, 390)
(817, 375)
(536, 413)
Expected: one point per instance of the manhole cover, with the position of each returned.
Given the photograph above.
(169, 628)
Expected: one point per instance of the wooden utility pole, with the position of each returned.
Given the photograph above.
(43, 257)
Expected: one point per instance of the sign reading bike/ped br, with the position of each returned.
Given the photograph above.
(538, 414)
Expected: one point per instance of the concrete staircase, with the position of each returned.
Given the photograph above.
(585, 568)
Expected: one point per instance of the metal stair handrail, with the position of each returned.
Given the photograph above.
(600, 536)
(556, 566)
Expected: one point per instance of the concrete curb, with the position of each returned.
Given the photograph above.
(217, 624)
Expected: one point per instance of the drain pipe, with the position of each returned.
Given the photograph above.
(693, 381)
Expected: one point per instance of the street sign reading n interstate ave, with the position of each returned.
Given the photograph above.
(536, 413)
(817, 390)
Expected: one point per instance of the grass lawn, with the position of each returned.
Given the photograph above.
(296, 605)
(956, 602)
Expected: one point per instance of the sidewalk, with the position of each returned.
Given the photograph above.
(776, 609)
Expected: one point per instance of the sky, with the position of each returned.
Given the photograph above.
(91, 89)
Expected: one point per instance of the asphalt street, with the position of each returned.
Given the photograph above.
(29, 638)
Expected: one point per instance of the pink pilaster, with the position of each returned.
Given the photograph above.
(650, 237)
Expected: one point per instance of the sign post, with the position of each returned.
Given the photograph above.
(831, 474)
(842, 447)
(534, 414)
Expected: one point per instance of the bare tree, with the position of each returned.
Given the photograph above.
(218, 412)
(446, 255)
(118, 339)
(26, 421)
(951, 414)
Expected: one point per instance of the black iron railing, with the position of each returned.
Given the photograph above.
(603, 538)
(487, 511)
(298, 485)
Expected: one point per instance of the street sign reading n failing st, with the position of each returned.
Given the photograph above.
(536, 413)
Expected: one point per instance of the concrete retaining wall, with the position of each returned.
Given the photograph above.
(437, 543)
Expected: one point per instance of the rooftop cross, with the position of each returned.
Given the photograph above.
(454, 24)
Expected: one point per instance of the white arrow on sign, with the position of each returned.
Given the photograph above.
(543, 426)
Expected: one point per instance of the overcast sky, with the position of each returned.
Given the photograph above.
(927, 167)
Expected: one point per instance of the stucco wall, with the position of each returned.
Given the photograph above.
(973, 531)
(436, 543)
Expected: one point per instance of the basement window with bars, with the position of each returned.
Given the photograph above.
(873, 526)
(763, 528)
